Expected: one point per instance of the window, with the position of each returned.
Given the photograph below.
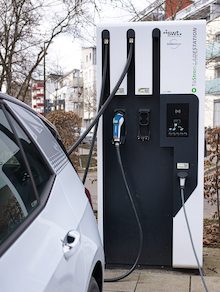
(17, 195)
(216, 113)
(217, 71)
(217, 36)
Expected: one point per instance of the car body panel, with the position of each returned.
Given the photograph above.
(39, 250)
(40, 258)
(42, 136)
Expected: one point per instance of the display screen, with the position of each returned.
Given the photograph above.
(177, 120)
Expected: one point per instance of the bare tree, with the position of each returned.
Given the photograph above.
(27, 28)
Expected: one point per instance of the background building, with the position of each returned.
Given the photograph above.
(74, 91)
(189, 10)
(37, 94)
(213, 73)
(67, 94)
(88, 73)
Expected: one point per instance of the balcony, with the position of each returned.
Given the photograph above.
(76, 82)
(40, 104)
(201, 9)
(212, 86)
(212, 50)
(37, 96)
(40, 84)
(75, 97)
(40, 95)
(35, 88)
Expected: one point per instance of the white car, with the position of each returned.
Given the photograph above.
(49, 239)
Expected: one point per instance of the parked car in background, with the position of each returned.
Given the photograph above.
(88, 137)
(49, 239)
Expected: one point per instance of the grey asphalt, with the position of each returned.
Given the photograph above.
(162, 280)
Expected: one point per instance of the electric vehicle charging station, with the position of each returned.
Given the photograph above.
(158, 110)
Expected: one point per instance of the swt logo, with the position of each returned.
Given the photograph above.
(176, 33)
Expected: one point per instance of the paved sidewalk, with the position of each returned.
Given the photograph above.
(161, 281)
(155, 280)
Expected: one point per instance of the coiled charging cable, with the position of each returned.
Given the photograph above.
(182, 177)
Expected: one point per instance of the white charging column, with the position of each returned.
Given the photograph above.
(153, 180)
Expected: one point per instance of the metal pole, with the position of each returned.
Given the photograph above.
(78, 92)
(45, 81)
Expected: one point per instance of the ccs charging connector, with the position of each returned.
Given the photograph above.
(118, 121)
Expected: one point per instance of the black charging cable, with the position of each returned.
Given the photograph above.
(182, 179)
(105, 105)
(135, 214)
(95, 122)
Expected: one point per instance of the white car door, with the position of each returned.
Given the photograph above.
(37, 219)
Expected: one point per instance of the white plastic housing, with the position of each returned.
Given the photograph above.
(182, 71)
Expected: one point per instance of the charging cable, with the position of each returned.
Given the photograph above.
(117, 124)
(105, 105)
(182, 179)
(95, 122)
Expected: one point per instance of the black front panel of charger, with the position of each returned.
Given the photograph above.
(149, 167)
(185, 146)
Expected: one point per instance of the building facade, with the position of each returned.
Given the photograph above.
(88, 73)
(74, 91)
(67, 94)
(37, 94)
(213, 73)
(37, 90)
